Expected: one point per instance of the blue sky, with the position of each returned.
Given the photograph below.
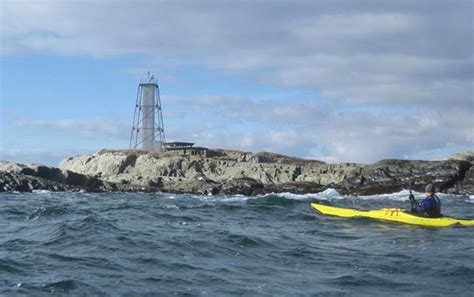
(338, 81)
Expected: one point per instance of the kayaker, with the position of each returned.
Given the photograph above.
(430, 206)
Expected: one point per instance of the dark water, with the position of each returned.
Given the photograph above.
(124, 244)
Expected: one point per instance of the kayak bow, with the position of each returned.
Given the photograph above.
(391, 214)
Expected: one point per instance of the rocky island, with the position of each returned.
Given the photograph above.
(227, 172)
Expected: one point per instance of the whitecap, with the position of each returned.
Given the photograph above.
(397, 196)
(41, 191)
(327, 194)
(401, 196)
(225, 198)
(237, 198)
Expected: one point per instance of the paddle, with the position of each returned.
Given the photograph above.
(411, 197)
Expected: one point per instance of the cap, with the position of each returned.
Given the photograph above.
(429, 188)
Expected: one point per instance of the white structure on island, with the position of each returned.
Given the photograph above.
(147, 130)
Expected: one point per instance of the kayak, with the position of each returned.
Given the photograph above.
(392, 214)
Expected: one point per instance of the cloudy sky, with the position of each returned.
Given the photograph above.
(338, 81)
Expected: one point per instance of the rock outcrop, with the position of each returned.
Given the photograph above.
(29, 177)
(388, 176)
(235, 172)
(227, 172)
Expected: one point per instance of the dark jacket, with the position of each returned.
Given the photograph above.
(430, 207)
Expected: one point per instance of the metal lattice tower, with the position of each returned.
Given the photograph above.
(147, 129)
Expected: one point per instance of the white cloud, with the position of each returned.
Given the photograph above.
(354, 25)
(49, 157)
(398, 75)
(108, 128)
(363, 135)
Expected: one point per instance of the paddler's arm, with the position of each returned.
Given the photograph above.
(415, 207)
(421, 207)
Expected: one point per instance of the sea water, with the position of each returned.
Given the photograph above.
(141, 244)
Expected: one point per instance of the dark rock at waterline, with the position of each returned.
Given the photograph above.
(465, 184)
(243, 185)
(388, 176)
(29, 177)
(11, 182)
(65, 177)
(295, 188)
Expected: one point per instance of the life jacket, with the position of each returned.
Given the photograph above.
(434, 211)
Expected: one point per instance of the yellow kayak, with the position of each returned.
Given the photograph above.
(391, 214)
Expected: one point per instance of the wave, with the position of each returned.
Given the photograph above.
(17, 244)
(41, 192)
(457, 271)
(13, 212)
(325, 195)
(141, 244)
(401, 196)
(363, 280)
(48, 211)
(328, 194)
(397, 196)
(227, 198)
(65, 286)
(243, 240)
(10, 266)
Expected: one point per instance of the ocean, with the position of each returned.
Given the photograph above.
(142, 244)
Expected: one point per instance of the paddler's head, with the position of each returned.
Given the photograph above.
(429, 189)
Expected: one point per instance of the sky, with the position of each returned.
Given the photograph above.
(338, 81)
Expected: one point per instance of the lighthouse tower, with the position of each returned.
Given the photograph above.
(147, 130)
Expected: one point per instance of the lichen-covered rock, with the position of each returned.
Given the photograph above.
(140, 168)
(465, 156)
(234, 172)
